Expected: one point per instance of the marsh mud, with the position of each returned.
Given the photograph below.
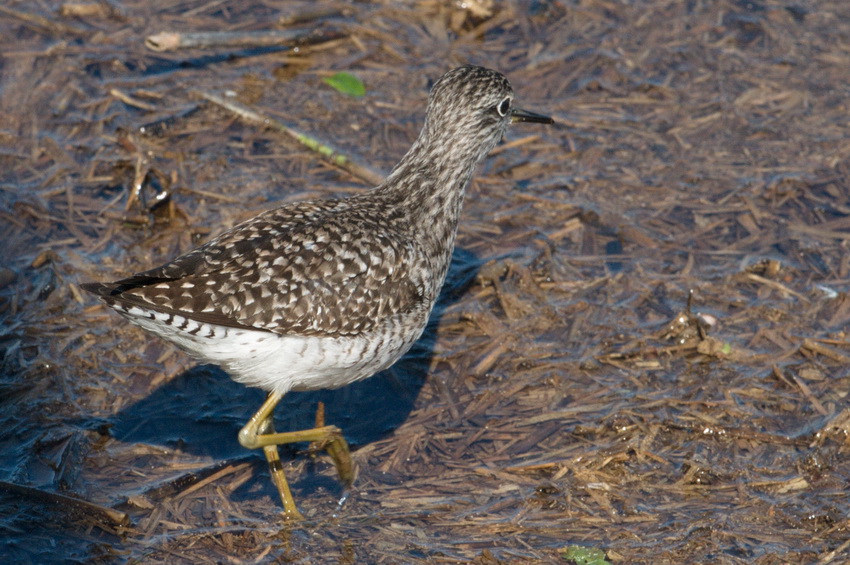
(642, 348)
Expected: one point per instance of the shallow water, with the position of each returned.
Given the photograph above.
(563, 395)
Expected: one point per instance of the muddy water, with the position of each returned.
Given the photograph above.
(565, 394)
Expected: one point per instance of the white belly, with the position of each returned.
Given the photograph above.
(282, 363)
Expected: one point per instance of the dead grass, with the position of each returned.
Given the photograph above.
(565, 393)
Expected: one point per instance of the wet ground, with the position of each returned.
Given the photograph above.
(642, 347)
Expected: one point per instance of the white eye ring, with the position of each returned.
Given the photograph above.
(504, 107)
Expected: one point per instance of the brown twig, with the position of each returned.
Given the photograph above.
(173, 40)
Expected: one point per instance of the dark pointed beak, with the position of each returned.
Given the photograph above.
(518, 115)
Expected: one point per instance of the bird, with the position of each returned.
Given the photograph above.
(322, 293)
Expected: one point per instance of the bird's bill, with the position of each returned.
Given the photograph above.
(518, 115)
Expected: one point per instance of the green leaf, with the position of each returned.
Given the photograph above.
(346, 83)
(585, 555)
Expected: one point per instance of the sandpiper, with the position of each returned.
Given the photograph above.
(323, 293)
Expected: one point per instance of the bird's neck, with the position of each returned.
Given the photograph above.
(430, 180)
(429, 185)
(427, 188)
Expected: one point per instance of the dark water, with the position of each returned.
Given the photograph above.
(564, 393)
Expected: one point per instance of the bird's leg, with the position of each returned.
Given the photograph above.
(337, 448)
(276, 470)
(259, 432)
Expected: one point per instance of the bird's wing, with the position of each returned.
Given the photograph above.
(300, 269)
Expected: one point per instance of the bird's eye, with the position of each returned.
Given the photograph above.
(504, 107)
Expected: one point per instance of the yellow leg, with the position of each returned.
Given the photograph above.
(278, 478)
(259, 432)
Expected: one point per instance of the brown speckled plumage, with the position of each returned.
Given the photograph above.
(360, 266)
(322, 268)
